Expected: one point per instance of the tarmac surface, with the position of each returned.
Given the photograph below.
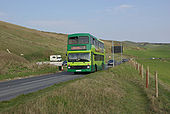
(11, 89)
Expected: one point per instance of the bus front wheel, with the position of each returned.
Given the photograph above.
(75, 72)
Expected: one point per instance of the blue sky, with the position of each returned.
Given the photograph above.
(133, 20)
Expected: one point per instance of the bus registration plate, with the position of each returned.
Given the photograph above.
(78, 70)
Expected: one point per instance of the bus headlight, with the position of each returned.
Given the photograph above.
(68, 66)
(88, 66)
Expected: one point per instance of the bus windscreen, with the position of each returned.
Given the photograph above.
(79, 57)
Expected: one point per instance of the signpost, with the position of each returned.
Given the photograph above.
(116, 49)
(113, 51)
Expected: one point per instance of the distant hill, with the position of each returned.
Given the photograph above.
(31, 43)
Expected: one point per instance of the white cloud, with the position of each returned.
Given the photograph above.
(116, 9)
(125, 6)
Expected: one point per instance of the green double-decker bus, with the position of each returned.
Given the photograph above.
(85, 53)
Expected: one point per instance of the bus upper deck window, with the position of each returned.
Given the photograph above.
(83, 40)
(73, 40)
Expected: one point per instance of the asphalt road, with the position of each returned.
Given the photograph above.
(11, 89)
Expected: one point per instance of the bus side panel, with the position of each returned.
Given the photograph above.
(92, 62)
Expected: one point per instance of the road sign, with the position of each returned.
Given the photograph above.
(117, 49)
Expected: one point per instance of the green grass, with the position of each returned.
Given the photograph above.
(149, 52)
(34, 45)
(13, 66)
(43, 69)
(162, 66)
(117, 90)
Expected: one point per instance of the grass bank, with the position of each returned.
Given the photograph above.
(21, 48)
(13, 66)
(117, 90)
(162, 66)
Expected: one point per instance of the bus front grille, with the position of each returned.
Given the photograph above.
(78, 67)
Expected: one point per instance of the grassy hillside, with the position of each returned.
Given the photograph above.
(117, 90)
(34, 45)
(149, 51)
(143, 52)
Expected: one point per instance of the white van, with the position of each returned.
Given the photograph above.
(55, 58)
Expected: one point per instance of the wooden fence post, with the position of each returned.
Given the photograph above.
(140, 69)
(137, 66)
(147, 78)
(148, 74)
(156, 84)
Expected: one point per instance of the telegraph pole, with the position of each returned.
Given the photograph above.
(121, 52)
(113, 52)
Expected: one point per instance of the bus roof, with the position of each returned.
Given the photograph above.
(83, 34)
